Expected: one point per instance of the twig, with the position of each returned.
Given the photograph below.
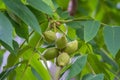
(91, 68)
(76, 19)
(70, 20)
(25, 40)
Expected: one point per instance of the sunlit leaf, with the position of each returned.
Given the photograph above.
(36, 64)
(2, 5)
(71, 33)
(21, 75)
(35, 37)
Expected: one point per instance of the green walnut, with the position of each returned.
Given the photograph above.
(61, 42)
(63, 59)
(49, 36)
(71, 47)
(50, 53)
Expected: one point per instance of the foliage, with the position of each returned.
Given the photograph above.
(95, 26)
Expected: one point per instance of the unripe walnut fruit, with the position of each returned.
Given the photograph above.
(71, 47)
(63, 59)
(49, 36)
(50, 53)
(61, 42)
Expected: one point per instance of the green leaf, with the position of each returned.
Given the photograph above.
(98, 77)
(77, 66)
(35, 37)
(83, 48)
(12, 75)
(90, 29)
(5, 30)
(80, 33)
(2, 5)
(21, 28)
(15, 47)
(36, 73)
(71, 33)
(74, 24)
(93, 77)
(12, 59)
(108, 59)
(21, 75)
(7, 47)
(99, 39)
(41, 17)
(44, 26)
(95, 63)
(112, 39)
(50, 3)
(23, 13)
(5, 73)
(41, 6)
(36, 64)
(63, 15)
(63, 3)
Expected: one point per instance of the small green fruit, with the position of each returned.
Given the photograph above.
(49, 36)
(50, 53)
(61, 42)
(71, 47)
(63, 59)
